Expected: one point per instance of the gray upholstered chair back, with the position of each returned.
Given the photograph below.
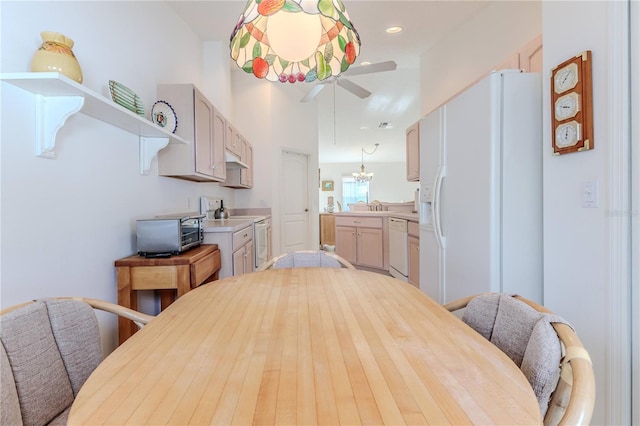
(544, 346)
(49, 349)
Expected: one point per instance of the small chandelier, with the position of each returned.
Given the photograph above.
(363, 176)
(294, 40)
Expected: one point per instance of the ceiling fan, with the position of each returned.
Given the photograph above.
(346, 84)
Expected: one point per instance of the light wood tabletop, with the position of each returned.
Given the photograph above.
(306, 346)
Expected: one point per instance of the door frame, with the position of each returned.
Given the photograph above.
(634, 25)
(622, 349)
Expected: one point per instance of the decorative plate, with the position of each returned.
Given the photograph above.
(164, 116)
(125, 97)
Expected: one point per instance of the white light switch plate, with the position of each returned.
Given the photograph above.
(590, 194)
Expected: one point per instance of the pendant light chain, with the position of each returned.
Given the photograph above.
(334, 112)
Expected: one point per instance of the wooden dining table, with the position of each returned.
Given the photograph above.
(302, 347)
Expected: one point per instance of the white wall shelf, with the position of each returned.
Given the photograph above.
(57, 98)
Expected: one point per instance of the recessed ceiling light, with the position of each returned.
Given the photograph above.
(393, 30)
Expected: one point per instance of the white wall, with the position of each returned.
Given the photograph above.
(577, 241)
(273, 120)
(389, 183)
(65, 221)
(475, 48)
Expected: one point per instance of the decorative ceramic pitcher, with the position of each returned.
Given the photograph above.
(55, 55)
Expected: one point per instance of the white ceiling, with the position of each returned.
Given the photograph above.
(395, 95)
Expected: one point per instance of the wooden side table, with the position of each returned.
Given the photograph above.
(172, 277)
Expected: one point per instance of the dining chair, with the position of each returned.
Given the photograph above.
(49, 349)
(307, 259)
(544, 346)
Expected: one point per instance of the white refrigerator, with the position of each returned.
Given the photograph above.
(481, 190)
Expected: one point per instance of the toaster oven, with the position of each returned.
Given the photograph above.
(168, 235)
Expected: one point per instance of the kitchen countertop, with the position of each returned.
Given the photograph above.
(226, 225)
(402, 215)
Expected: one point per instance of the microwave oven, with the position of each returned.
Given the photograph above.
(168, 235)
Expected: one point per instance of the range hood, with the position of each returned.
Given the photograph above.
(233, 161)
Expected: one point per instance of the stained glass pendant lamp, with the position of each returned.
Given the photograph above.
(294, 40)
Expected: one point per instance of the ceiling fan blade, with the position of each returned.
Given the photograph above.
(368, 69)
(353, 88)
(312, 93)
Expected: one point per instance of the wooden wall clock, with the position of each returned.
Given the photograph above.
(572, 105)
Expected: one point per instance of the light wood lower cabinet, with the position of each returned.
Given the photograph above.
(414, 253)
(327, 229)
(236, 250)
(243, 259)
(361, 240)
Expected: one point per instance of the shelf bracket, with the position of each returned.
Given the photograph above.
(149, 148)
(51, 114)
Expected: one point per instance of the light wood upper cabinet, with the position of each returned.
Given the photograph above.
(233, 140)
(246, 175)
(528, 58)
(241, 177)
(531, 56)
(219, 170)
(204, 128)
(413, 152)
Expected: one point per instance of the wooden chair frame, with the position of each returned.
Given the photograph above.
(138, 318)
(343, 262)
(573, 399)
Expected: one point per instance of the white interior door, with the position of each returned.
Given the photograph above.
(296, 233)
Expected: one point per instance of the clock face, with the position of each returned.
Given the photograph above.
(567, 106)
(566, 78)
(567, 134)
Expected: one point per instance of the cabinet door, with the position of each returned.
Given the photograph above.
(249, 259)
(203, 134)
(217, 146)
(238, 261)
(370, 250)
(414, 261)
(413, 152)
(246, 155)
(531, 56)
(232, 139)
(346, 242)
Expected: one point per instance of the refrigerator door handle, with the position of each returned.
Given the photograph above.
(435, 205)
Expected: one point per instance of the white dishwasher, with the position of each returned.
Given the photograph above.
(398, 249)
